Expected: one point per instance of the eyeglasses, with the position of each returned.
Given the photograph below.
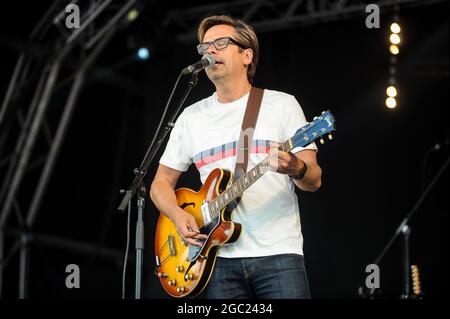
(219, 44)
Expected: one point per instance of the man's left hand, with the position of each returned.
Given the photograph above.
(284, 162)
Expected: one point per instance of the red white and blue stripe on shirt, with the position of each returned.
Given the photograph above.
(220, 152)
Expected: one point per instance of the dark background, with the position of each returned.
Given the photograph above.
(371, 169)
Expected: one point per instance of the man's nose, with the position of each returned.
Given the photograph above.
(211, 49)
(211, 53)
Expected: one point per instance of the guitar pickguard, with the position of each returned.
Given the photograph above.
(194, 251)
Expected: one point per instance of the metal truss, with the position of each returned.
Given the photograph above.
(24, 112)
(272, 15)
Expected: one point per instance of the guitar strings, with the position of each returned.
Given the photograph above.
(161, 251)
(285, 146)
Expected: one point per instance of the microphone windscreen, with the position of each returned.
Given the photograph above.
(210, 59)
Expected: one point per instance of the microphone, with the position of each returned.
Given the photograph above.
(206, 62)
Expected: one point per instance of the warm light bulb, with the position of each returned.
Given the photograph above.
(132, 15)
(395, 28)
(391, 102)
(394, 49)
(391, 91)
(394, 38)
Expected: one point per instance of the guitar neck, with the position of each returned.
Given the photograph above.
(305, 135)
(242, 183)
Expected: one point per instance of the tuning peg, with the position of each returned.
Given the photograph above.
(322, 141)
(330, 137)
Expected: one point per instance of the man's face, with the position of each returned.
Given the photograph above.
(230, 62)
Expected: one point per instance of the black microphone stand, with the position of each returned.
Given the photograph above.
(405, 230)
(137, 186)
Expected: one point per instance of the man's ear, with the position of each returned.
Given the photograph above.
(248, 56)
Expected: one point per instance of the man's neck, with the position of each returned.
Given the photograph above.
(230, 92)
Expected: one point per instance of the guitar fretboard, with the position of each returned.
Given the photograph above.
(242, 183)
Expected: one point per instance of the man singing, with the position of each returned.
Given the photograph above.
(267, 259)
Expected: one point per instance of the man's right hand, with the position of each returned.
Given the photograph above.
(187, 228)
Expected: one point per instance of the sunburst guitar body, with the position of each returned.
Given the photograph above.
(185, 269)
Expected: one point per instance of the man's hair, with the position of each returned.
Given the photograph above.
(244, 35)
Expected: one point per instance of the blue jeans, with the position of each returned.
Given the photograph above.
(273, 277)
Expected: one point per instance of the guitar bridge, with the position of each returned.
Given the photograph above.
(171, 245)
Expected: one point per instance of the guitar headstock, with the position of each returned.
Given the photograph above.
(417, 289)
(318, 127)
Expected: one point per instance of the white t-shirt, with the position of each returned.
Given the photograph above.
(206, 134)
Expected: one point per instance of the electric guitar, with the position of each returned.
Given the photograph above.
(183, 269)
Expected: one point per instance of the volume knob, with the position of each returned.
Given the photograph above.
(181, 289)
(180, 269)
(172, 282)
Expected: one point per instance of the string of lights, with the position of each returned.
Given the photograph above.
(394, 50)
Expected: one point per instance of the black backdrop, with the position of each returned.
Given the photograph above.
(372, 168)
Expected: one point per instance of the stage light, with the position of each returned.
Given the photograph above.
(143, 53)
(391, 91)
(391, 102)
(395, 28)
(394, 38)
(132, 15)
(394, 49)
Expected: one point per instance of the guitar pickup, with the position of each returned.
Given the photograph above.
(205, 213)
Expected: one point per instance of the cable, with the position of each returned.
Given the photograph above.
(192, 82)
(126, 252)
